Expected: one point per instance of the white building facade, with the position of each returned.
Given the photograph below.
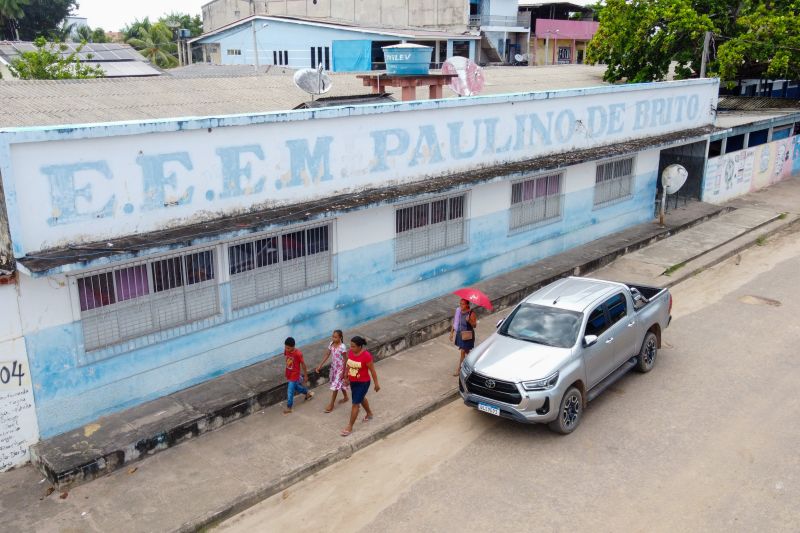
(155, 255)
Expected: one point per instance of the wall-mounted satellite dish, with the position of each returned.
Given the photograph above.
(470, 79)
(313, 81)
(519, 58)
(673, 177)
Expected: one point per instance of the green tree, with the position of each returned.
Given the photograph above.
(766, 43)
(84, 33)
(156, 44)
(43, 16)
(62, 33)
(134, 29)
(11, 11)
(50, 61)
(639, 39)
(184, 21)
(99, 36)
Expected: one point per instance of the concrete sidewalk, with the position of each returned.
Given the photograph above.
(219, 473)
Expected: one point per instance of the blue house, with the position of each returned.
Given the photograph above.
(306, 43)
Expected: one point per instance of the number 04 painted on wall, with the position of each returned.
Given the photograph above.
(13, 375)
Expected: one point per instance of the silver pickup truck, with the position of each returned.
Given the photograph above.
(561, 347)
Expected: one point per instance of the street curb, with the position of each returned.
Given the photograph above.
(222, 409)
(730, 253)
(248, 500)
(245, 501)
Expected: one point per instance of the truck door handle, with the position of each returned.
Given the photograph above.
(631, 324)
(610, 340)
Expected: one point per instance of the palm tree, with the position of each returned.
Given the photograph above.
(62, 33)
(84, 33)
(10, 12)
(156, 45)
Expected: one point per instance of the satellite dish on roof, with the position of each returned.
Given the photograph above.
(313, 81)
(470, 79)
(519, 58)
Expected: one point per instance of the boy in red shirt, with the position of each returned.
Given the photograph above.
(295, 363)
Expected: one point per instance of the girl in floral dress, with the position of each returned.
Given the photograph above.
(337, 353)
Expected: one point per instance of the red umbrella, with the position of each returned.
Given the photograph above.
(475, 297)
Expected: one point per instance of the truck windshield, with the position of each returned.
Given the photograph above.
(543, 325)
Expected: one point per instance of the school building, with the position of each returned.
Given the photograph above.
(140, 257)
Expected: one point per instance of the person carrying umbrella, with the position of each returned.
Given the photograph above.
(462, 331)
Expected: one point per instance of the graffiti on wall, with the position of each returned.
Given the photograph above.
(18, 427)
(743, 171)
(137, 183)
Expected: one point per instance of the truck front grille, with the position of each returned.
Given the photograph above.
(503, 391)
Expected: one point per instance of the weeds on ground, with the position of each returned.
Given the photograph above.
(674, 268)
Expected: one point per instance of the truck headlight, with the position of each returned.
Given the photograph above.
(541, 384)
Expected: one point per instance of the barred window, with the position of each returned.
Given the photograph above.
(426, 228)
(536, 200)
(613, 181)
(279, 265)
(132, 301)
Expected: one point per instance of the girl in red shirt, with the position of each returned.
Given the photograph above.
(357, 370)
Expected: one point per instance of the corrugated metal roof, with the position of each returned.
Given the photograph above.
(41, 103)
(756, 103)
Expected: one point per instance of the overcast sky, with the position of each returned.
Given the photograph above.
(113, 15)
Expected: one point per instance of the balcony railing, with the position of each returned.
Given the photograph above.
(522, 20)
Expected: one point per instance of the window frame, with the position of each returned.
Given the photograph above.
(282, 264)
(611, 320)
(522, 208)
(155, 309)
(429, 228)
(623, 181)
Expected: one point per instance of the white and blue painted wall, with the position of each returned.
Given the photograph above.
(85, 184)
(296, 38)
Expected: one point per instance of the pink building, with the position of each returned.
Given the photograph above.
(561, 41)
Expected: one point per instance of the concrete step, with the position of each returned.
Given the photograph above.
(114, 441)
(702, 239)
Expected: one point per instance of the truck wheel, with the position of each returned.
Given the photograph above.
(569, 412)
(647, 355)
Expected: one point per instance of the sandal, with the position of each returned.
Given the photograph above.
(345, 433)
(309, 396)
(367, 418)
(327, 410)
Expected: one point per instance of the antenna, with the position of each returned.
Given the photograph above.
(470, 80)
(313, 81)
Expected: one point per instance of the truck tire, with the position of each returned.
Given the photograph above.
(647, 354)
(570, 412)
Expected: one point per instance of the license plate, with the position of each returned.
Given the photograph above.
(489, 409)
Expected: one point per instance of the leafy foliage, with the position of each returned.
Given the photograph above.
(638, 39)
(43, 16)
(154, 41)
(766, 43)
(50, 62)
(10, 13)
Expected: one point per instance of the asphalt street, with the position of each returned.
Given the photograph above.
(705, 442)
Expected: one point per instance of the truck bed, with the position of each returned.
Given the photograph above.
(648, 294)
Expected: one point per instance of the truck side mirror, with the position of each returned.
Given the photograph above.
(588, 340)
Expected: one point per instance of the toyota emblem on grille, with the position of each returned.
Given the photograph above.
(490, 383)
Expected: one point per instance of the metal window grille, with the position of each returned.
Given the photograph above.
(426, 228)
(536, 200)
(147, 297)
(613, 181)
(279, 264)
